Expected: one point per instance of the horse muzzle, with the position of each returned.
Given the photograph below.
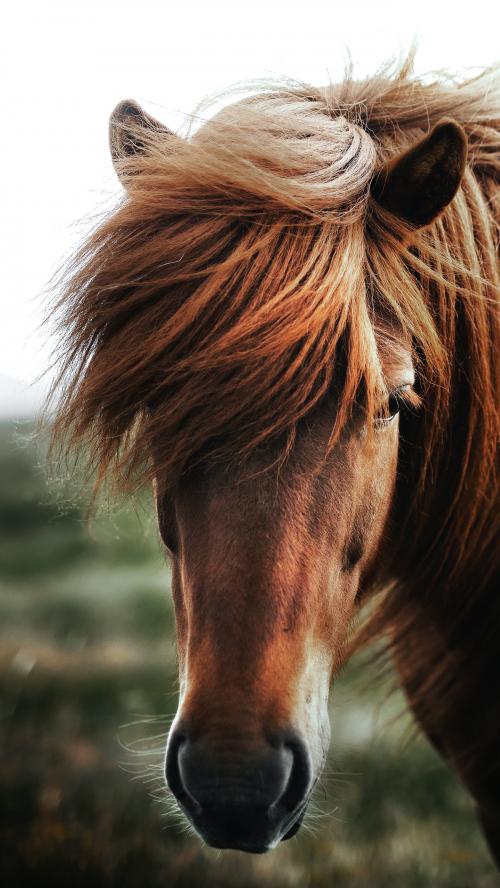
(236, 796)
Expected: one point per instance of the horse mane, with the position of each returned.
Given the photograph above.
(207, 311)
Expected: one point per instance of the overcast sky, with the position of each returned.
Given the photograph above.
(66, 64)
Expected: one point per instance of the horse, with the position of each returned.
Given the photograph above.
(288, 326)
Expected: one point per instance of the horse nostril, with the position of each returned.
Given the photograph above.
(299, 781)
(172, 772)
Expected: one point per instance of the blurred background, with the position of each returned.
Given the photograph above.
(87, 646)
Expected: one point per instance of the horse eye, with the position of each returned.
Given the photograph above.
(393, 405)
(392, 409)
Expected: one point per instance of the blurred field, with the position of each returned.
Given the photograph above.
(88, 672)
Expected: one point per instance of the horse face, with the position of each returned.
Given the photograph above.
(267, 567)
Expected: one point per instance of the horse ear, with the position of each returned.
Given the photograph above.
(418, 184)
(129, 131)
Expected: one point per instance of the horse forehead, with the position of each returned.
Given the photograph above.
(259, 491)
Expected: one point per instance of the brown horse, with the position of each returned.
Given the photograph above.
(288, 324)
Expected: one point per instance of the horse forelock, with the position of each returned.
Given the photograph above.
(221, 323)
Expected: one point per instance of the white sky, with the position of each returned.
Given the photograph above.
(66, 64)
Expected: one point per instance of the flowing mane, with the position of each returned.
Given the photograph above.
(210, 311)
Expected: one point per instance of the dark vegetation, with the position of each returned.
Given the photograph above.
(88, 673)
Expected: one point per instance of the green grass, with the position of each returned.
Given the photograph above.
(88, 673)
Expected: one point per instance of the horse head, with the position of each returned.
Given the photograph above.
(270, 558)
(245, 327)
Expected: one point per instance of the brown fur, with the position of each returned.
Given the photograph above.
(247, 271)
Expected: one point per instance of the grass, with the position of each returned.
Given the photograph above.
(88, 674)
